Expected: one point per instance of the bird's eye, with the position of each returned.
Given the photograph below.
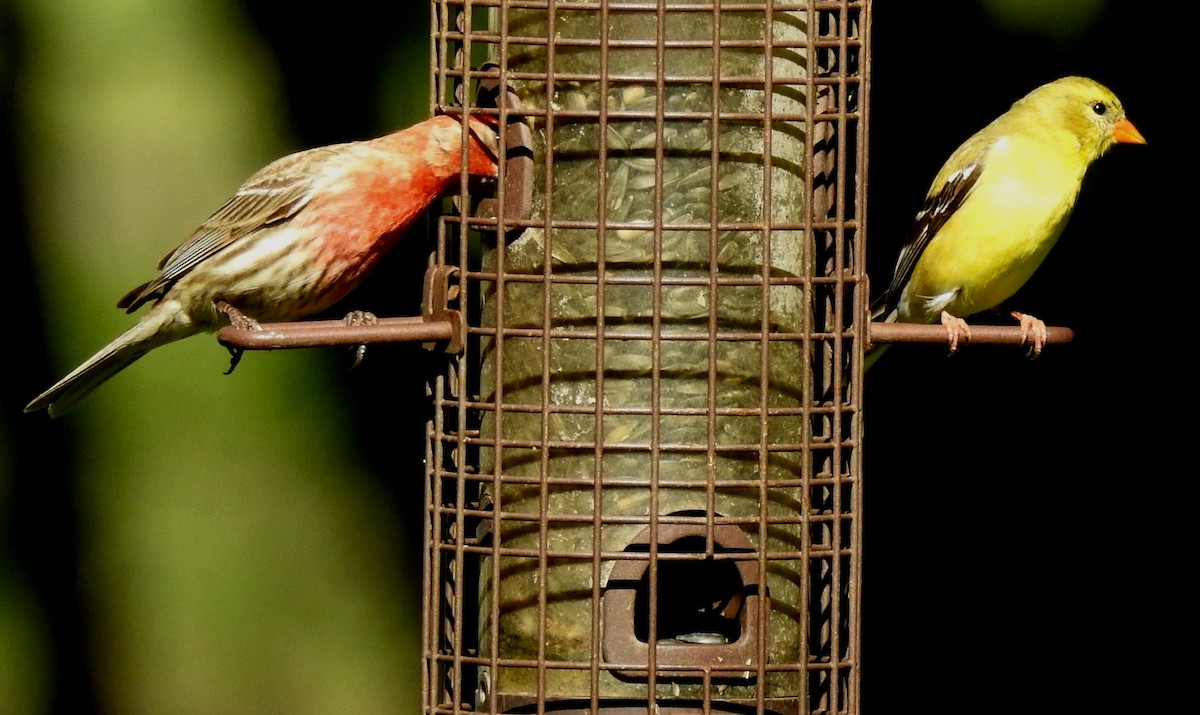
(1100, 108)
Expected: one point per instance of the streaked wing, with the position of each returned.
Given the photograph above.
(938, 209)
(274, 194)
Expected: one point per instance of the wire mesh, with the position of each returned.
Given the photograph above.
(643, 489)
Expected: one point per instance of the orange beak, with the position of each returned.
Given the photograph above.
(1125, 133)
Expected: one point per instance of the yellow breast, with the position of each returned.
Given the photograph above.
(999, 236)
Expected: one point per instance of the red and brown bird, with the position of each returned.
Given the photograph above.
(293, 240)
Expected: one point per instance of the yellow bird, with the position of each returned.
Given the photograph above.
(998, 205)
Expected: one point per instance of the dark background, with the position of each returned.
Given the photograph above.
(1021, 534)
(1022, 519)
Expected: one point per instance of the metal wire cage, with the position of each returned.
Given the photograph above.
(643, 476)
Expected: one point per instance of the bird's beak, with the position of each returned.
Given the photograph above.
(1125, 133)
(485, 130)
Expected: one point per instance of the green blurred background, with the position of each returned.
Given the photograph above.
(190, 542)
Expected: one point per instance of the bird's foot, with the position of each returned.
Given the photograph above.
(359, 317)
(237, 318)
(957, 331)
(1033, 332)
(241, 321)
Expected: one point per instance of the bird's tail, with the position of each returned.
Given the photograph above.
(875, 352)
(148, 333)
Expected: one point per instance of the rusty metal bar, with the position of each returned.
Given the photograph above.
(980, 334)
(319, 333)
(437, 323)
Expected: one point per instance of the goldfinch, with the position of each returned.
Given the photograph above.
(998, 205)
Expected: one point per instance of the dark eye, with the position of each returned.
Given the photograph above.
(1100, 108)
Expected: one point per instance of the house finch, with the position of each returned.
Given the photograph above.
(997, 207)
(296, 237)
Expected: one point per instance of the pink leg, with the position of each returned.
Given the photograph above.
(239, 320)
(956, 330)
(1031, 327)
(360, 317)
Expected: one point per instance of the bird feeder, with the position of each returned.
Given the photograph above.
(643, 470)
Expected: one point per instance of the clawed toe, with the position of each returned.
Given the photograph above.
(235, 356)
(241, 321)
(360, 317)
(237, 318)
(1033, 332)
(957, 331)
